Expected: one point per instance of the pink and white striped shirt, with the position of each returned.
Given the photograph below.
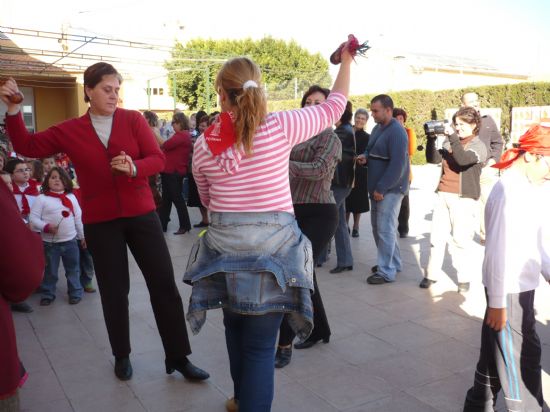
(235, 182)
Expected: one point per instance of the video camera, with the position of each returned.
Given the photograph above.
(435, 128)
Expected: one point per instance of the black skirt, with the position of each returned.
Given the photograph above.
(193, 199)
(358, 199)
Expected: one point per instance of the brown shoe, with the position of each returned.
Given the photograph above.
(89, 288)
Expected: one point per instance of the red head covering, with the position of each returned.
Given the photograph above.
(536, 141)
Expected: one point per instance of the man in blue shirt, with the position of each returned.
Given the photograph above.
(388, 181)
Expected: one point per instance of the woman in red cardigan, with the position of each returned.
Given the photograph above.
(114, 151)
(19, 277)
(177, 150)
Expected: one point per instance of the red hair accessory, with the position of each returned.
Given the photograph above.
(536, 140)
(354, 47)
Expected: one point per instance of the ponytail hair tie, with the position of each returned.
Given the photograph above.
(249, 83)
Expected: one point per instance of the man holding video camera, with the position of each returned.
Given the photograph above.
(490, 135)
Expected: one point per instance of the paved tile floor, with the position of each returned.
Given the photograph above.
(393, 347)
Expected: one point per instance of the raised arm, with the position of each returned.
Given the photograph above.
(300, 125)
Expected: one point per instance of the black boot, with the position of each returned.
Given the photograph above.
(123, 368)
(187, 369)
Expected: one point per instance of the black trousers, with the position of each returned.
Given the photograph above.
(509, 360)
(318, 221)
(108, 243)
(172, 192)
(403, 218)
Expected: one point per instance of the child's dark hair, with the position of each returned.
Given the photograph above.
(12, 164)
(67, 182)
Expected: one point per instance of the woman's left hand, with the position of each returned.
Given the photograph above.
(122, 164)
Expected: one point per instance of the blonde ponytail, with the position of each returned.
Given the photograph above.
(249, 103)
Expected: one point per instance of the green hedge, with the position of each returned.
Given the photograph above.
(424, 105)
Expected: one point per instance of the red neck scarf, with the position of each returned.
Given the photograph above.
(65, 201)
(221, 134)
(536, 141)
(30, 190)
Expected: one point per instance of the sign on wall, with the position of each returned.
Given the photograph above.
(524, 117)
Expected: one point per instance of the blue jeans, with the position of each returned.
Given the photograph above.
(86, 266)
(383, 216)
(250, 343)
(341, 237)
(68, 252)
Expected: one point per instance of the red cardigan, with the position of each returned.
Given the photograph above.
(177, 150)
(21, 269)
(104, 196)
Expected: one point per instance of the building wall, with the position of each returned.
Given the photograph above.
(52, 106)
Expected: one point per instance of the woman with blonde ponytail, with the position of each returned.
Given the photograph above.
(253, 261)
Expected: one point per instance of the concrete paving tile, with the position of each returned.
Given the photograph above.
(41, 387)
(408, 335)
(60, 405)
(63, 335)
(120, 399)
(396, 403)
(367, 317)
(446, 395)
(359, 349)
(450, 354)
(311, 362)
(178, 395)
(294, 397)
(448, 323)
(405, 370)
(347, 387)
(88, 379)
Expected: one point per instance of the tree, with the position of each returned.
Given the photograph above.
(286, 67)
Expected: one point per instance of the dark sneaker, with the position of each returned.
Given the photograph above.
(376, 279)
(74, 301)
(426, 283)
(355, 233)
(46, 301)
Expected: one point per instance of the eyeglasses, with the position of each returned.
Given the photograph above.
(22, 170)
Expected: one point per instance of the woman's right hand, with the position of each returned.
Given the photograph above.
(8, 89)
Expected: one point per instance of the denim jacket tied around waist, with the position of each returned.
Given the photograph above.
(252, 263)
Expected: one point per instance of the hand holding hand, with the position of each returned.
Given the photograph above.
(496, 318)
(122, 164)
(361, 159)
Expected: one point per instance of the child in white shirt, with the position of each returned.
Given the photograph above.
(56, 214)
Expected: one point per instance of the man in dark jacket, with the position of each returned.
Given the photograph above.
(490, 135)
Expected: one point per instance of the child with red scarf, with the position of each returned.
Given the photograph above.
(25, 189)
(517, 252)
(57, 215)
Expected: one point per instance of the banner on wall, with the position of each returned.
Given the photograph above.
(525, 117)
